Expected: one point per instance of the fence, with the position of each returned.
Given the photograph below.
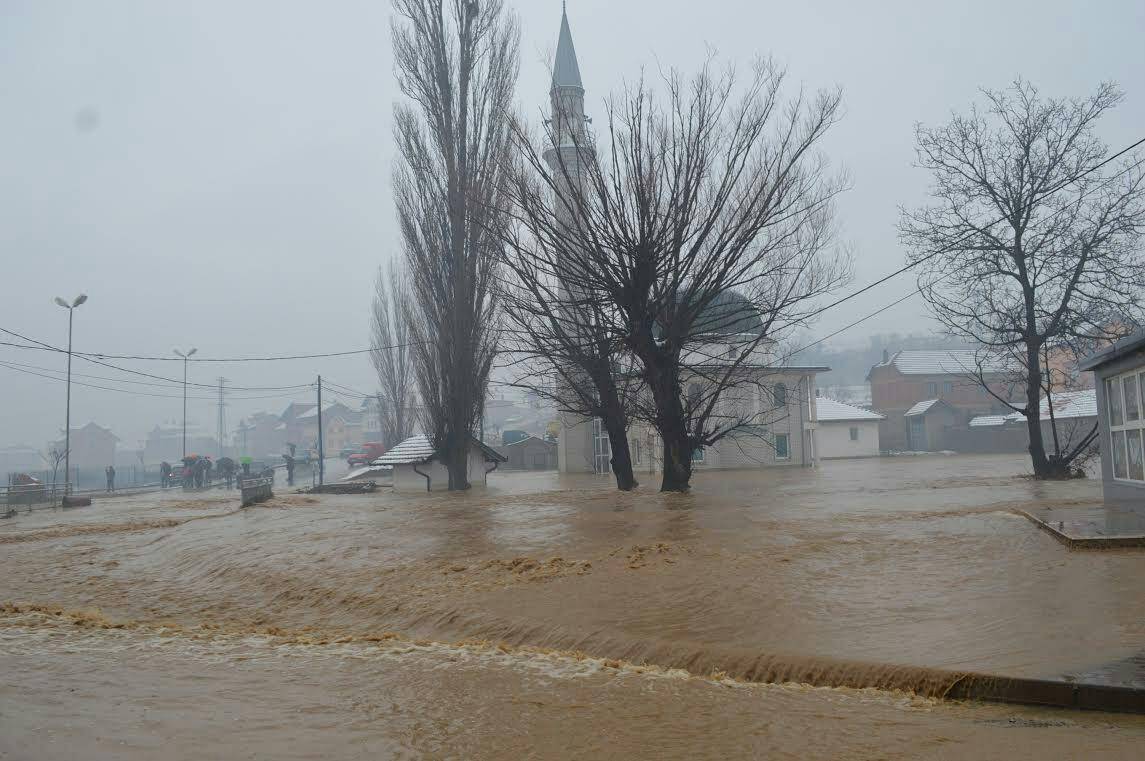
(95, 479)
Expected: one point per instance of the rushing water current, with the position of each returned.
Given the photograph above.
(559, 617)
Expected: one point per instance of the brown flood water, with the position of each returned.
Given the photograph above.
(561, 618)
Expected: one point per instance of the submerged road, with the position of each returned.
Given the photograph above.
(559, 614)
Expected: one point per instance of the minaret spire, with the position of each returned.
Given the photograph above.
(566, 71)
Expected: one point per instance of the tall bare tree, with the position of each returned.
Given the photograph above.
(1032, 242)
(457, 63)
(708, 212)
(392, 356)
(563, 348)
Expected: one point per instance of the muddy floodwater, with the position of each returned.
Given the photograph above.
(554, 617)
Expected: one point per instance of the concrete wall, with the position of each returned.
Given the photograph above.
(834, 439)
(574, 444)
(987, 439)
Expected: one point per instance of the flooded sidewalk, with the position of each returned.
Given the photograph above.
(892, 573)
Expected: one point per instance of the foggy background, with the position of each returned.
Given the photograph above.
(216, 174)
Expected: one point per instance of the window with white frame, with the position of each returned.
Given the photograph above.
(1124, 412)
(854, 433)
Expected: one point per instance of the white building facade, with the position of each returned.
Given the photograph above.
(845, 430)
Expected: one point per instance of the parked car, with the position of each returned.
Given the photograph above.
(369, 452)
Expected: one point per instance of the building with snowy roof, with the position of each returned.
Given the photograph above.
(907, 379)
(417, 466)
(845, 430)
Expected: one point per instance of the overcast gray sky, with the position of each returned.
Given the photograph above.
(216, 174)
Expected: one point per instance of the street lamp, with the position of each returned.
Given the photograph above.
(185, 357)
(68, 408)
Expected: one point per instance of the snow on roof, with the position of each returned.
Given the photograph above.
(418, 449)
(1067, 405)
(415, 449)
(830, 410)
(921, 408)
(948, 362)
(989, 421)
(1070, 404)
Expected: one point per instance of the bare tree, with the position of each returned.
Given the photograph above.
(392, 356)
(457, 62)
(54, 457)
(703, 236)
(564, 350)
(1031, 244)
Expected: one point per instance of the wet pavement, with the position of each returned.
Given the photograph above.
(1093, 526)
(492, 621)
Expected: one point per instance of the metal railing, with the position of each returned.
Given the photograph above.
(15, 496)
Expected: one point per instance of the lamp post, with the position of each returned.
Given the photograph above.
(71, 307)
(185, 357)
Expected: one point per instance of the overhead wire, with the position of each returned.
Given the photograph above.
(97, 357)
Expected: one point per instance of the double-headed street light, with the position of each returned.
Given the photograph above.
(71, 307)
(185, 358)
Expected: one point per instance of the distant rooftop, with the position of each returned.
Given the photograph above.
(830, 410)
(990, 421)
(1068, 404)
(947, 362)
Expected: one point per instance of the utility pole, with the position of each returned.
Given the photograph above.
(221, 432)
(185, 357)
(71, 307)
(321, 451)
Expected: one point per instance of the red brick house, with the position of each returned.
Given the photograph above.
(908, 378)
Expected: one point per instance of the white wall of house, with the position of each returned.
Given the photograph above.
(574, 444)
(834, 438)
(406, 479)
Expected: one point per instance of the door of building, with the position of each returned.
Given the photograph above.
(916, 434)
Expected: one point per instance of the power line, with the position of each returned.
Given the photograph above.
(172, 381)
(962, 239)
(347, 390)
(22, 369)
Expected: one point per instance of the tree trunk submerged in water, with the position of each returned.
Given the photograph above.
(1037, 448)
(677, 465)
(621, 456)
(457, 462)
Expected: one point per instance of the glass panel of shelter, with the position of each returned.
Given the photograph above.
(1125, 405)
